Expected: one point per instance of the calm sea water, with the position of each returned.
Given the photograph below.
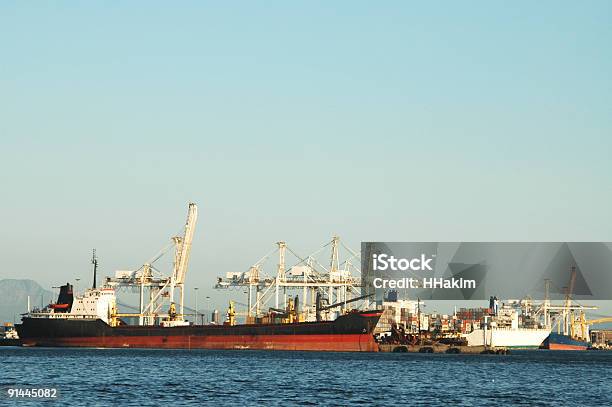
(133, 377)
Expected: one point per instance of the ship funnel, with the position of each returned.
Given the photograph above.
(64, 299)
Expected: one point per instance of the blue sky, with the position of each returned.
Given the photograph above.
(295, 121)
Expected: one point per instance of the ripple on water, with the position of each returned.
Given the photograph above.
(152, 377)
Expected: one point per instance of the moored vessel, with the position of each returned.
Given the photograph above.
(95, 327)
(8, 336)
(93, 320)
(513, 325)
(520, 338)
(557, 341)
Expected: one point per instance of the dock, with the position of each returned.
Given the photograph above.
(442, 348)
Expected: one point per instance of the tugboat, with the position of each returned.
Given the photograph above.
(8, 336)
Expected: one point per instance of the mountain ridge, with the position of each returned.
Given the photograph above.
(14, 297)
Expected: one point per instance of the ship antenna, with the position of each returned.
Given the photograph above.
(94, 261)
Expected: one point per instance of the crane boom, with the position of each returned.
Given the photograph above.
(599, 321)
(184, 245)
(570, 288)
(339, 304)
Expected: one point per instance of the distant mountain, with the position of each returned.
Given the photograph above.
(14, 298)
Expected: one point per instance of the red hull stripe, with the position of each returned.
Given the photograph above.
(327, 342)
(556, 346)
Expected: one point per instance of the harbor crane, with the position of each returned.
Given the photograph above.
(564, 316)
(580, 326)
(339, 282)
(156, 290)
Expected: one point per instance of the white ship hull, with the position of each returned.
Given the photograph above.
(508, 338)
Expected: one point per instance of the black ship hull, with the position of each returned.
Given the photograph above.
(351, 332)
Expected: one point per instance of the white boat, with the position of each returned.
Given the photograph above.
(508, 337)
(507, 330)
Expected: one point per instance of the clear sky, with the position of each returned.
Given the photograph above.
(293, 121)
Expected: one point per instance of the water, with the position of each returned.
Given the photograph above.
(132, 377)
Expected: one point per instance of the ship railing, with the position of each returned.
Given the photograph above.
(64, 316)
(505, 328)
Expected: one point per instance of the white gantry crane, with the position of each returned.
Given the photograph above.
(337, 283)
(156, 290)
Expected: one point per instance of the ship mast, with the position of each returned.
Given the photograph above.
(94, 261)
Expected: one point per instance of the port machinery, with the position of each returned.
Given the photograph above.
(156, 290)
(92, 320)
(567, 319)
(337, 284)
(325, 289)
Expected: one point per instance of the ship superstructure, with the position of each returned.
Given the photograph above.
(94, 303)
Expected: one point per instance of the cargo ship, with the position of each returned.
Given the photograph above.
(89, 322)
(518, 338)
(557, 341)
(92, 319)
(509, 326)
